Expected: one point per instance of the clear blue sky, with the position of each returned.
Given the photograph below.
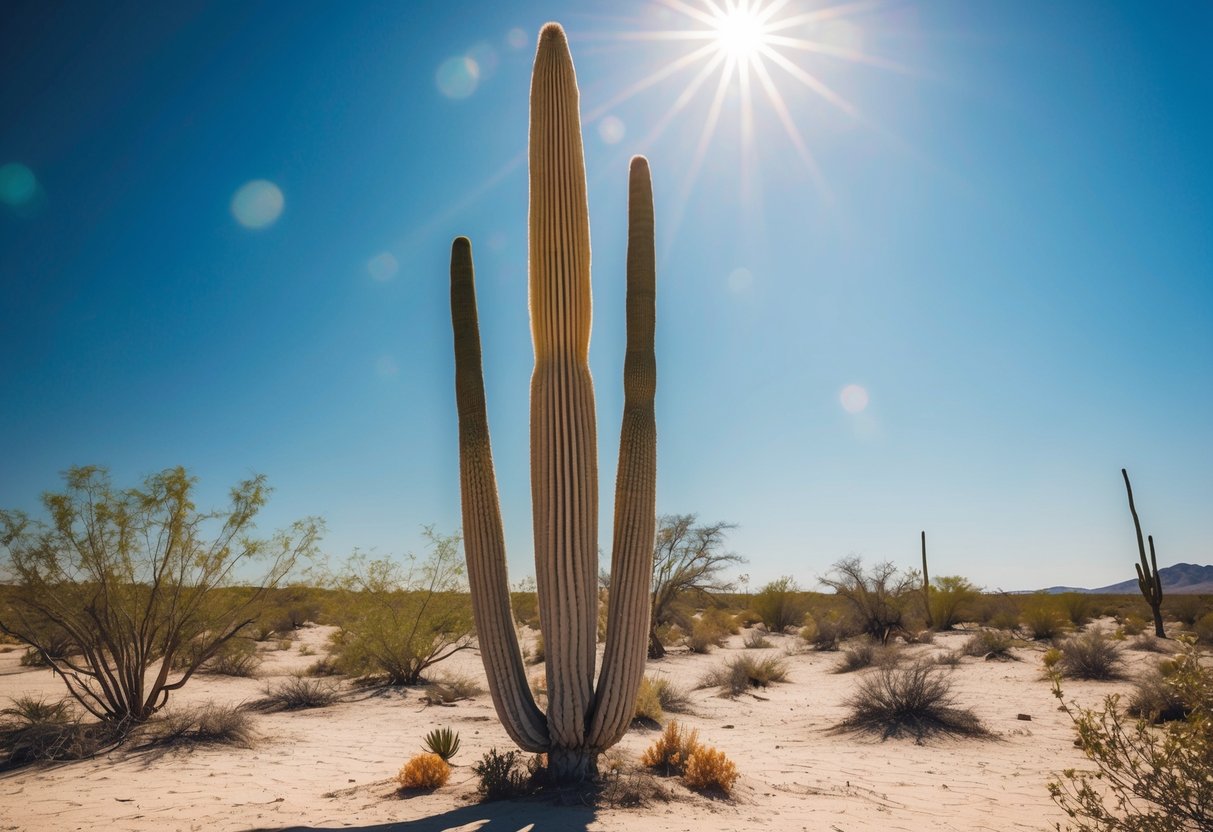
(1009, 246)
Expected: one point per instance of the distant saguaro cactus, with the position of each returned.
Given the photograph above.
(1148, 580)
(926, 582)
(582, 720)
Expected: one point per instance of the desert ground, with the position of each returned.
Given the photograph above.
(333, 767)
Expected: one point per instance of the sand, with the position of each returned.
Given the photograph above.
(332, 768)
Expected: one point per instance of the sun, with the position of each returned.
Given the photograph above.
(746, 51)
(740, 32)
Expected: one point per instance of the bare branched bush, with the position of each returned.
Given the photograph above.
(688, 560)
(914, 699)
(137, 580)
(878, 598)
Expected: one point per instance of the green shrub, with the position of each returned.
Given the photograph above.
(1145, 779)
(1076, 606)
(780, 604)
(502, 776)
(1043, 618)
(953, 600)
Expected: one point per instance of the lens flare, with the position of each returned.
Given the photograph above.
(18, 185)
(257, 204)
(458, 77)
(383, 266)
(854, 399)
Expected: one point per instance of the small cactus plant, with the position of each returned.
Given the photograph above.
(444, 742)
(584, 717)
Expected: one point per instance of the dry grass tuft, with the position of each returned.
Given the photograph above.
(916, 699)
(670, 752)
(867, 654)
(208, 724)
(709, 770)
(739, 674)
(992, 645)
(425, 772)
(296, 693)
(1090, 656)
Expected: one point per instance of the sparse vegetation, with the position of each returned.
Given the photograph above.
(452, 687)
(296, 693)
(867, 654)
(990, 645)
(1155, 698)
(502, 775)
(914, 699)
(953, 600)
(1089, 656)
(425, 772)
(877, 598)
(209, 724)
(1145, 779)
(781, 604)
(739, 674)
(146, 590)
(1043, 619)
(756, 640)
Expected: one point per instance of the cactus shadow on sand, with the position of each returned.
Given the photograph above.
(501, 816)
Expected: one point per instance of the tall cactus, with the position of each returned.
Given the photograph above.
(582, 719)
(926, 582)
(1148, 580)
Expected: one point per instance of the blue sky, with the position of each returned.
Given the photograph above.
(1008, 245)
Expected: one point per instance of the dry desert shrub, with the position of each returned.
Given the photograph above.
(1133, 625)
(915, 699)
(296, 693)
(209, 724)
(425, 772)
(781, 604)
(756, 640)
(739, 674)
(626, 787)
(451, 687)
(236, 658)
(1043, 619)
(503, 775)
(648, 710)
(1185, 609)
(1204, 628)
(948, 658)
(708, 631)
(1089, 656)
(671, 751)
(990, 645)
(324, 666)
(867, 654)
(709, 770)
(1155, 696)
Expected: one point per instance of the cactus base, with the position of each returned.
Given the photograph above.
(572, 765)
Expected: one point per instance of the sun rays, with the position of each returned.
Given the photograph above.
(743, 54)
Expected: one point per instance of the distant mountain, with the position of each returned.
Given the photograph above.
(1180, 579)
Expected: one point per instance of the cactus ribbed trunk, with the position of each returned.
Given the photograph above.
(1148, 579)
(582, 720)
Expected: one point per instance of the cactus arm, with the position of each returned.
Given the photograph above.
(483, 541)
(635, 482)
(564, 464)
(1154, 571)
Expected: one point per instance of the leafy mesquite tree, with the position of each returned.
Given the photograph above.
(143, 587)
